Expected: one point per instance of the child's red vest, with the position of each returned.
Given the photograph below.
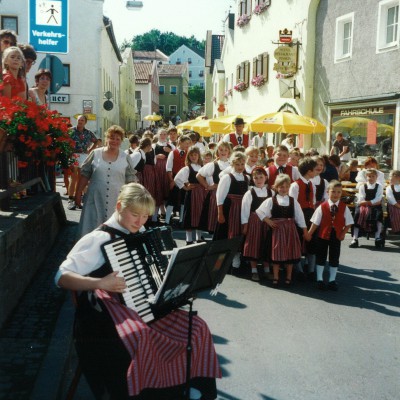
(327, 222)
(233, 140)
(179, 161)
(302, 199)
(273, 173)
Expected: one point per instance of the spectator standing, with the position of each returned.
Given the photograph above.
(237, 138)
(289, 142)
(341, 148)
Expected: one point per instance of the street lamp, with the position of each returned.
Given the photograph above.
(132, 5)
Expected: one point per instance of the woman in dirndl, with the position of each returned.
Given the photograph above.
(393, 201)
(282, 213)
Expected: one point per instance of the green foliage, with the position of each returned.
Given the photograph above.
(167, 42)
(196, 95)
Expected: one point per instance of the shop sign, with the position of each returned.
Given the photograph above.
(362, 111)
(287, 59)
(285, 36)
(59, 98)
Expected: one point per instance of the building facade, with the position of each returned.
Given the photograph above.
(173, 90)
(356, 65)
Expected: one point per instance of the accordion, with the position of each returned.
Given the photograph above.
(139, 259)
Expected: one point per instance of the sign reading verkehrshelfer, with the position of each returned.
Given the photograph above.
(48, 25)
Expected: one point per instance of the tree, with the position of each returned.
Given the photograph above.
(196, 95)
(167, 42)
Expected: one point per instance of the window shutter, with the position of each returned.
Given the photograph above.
(237, 73)
(247, 72)
(254, 67)
(265, 59)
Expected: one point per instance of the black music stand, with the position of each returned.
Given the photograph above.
(194, 269)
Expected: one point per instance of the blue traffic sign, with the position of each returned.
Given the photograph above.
(56, 67)
(48, 25)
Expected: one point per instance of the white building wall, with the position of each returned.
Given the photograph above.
(87, 41)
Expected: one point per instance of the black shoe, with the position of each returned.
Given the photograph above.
(333, 286)
(311, 276)
(354, 244)
(321, 285)
(189, 243)
(301, 276)
(379, 243)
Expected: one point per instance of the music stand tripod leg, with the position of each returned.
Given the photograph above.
(189, 350)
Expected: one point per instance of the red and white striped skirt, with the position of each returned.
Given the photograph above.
(285, 243)
(394, 215)
(234, 225)
(255, 238)
(149, 179)
(363, 214)
(158, 350)
(162, 183)
(212, 211)
(197, 199)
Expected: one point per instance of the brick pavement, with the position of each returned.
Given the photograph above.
(25, 338)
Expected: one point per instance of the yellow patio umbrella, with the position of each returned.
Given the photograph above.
(186, 125)
(286, 122)
(153, 117)
(202, 126)
(351, 123)
(224, 124)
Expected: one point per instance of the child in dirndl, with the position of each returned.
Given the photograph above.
(195, 194)
(138, 157)
(208, 176)
(255, 230)
(393, 201)
(230, 192)
(282, 213)
(368, 216)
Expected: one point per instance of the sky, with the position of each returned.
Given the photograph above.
(182, 17)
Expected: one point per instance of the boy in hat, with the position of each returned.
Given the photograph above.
(237, 138)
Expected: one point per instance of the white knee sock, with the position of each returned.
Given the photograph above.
(189, 236)
(198, 235)
(332, 273)
(356, 231)
(168, 214)
(236, 261)
(181, 213)
(300, 266)
(378, 230)
(320, 272)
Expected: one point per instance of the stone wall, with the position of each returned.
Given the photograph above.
(27, 233)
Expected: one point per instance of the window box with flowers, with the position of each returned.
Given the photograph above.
(243, 20)
(258, 81)
(240, 86)
(261, 7)
(228, 93)
(37, 134)
(284, 76)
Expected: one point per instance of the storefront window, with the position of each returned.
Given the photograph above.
(370, 132)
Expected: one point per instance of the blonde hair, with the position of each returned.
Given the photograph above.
(193, 150)
(115, 129)
(7, 52)
(136, 197)
(252, 149)
(334, 183)
(395, 173)
(281, 179)
(371, 171)
(226, 145)
(237, 156)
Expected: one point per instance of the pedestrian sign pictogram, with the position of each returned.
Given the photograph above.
(48, 25)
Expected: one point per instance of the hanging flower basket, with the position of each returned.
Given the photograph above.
(258, 81)
(260, 8)
(228, 93)
(240, 86)
(243, 20)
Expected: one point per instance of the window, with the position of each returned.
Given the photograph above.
(10, 23)
(201, 85)
(260, 65)
(172, 90)
(190, 74)
(162, 110)
(242, 72)
(172, 110)
(201, 73)
(161, 89)
(344, 37)
(245, 7)
(178, 60)
(67, 75)
(189, 60)
(388, 25)
(138, 94)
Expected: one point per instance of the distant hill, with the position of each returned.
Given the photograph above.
(167, 42)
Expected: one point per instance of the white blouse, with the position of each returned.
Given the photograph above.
(316, 181)
(317, 216)
(248, 199)
(389, 194)
(378, 196)
(294, 189)
(182, 176)
(137, 155)
(225, 184)
(264, 211)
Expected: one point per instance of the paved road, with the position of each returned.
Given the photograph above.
(272, 344)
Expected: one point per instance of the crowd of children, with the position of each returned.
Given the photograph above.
(288, 206)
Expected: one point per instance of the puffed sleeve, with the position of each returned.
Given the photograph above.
(182, 177)
(87, 166)
(264, 211)
(130, 172)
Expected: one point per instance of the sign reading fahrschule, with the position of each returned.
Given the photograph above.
(48, 25)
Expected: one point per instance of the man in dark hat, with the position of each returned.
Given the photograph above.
(237, 138)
